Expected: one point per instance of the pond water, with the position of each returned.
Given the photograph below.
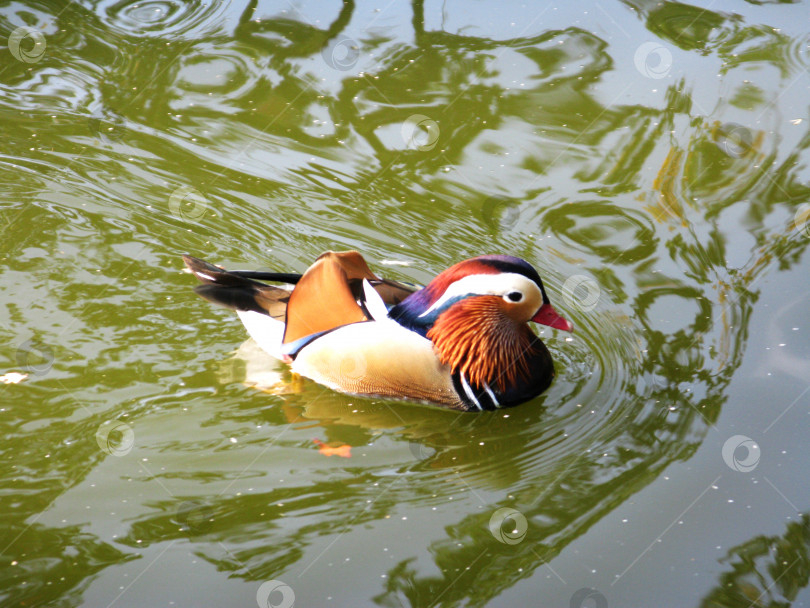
(649, 158)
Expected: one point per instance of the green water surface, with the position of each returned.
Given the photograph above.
(649, 158)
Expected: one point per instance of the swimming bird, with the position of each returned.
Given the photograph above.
(463, 341)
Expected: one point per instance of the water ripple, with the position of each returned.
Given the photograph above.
(161, 18)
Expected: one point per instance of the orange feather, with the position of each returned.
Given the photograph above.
(322, 299)
(344, 450)
(476, 337)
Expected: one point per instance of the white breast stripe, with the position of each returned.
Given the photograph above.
(467, 389)
(374, 303)
(491, 395)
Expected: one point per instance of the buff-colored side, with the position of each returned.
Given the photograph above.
(378, 358)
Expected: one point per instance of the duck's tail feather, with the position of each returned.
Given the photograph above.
(261, 275)
(238, 292)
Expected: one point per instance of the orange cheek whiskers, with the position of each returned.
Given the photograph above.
(478, 339)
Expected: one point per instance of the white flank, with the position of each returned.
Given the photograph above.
(265, 330)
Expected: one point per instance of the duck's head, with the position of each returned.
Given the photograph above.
(476, 314)
(499, 282)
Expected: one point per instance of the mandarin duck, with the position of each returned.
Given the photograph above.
(462, 342)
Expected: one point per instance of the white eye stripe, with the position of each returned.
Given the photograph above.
(484, 285)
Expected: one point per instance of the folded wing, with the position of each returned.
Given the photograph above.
(328, 295)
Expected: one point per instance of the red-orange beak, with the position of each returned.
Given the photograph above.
(548, 316)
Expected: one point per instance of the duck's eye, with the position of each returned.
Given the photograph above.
(514, 296)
